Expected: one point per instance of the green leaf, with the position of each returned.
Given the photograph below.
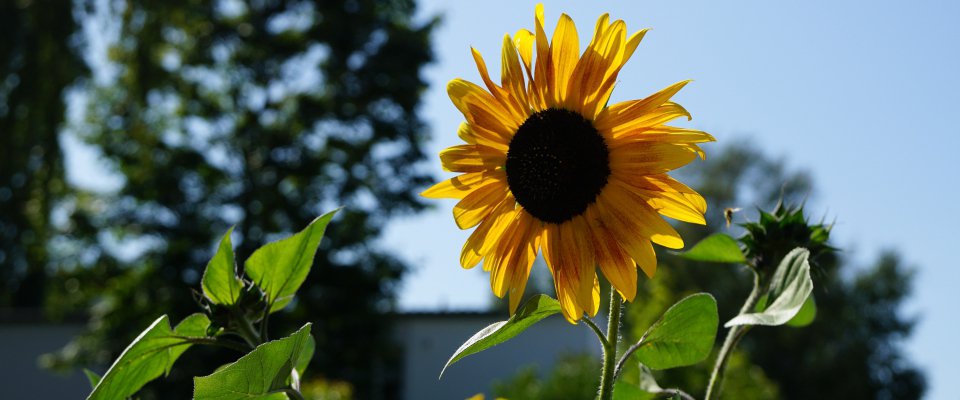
(261, 374)
(789, 289)
(150, 355)
(626, 391)
(806, 315)
(279, 268)
(93, 377)
(534, 310)
(684, 335)
(646, 389)
(220, 283)
(717, 247)
(307, 355)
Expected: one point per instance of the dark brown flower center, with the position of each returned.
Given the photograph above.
(557, 164)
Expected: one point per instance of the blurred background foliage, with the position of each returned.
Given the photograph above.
(263, 114)
(259, 114)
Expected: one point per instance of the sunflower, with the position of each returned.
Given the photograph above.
(547, 167)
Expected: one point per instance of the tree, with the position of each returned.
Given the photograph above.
(37, 65)
(262, 115)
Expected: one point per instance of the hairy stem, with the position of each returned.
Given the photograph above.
(610, 347)
(596, 330)
(730, 343)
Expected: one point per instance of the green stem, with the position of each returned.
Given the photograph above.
(730, 343)
(245, 329)
(610, 347)
(596, 330)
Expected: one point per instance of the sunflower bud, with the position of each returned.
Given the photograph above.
(778, 232)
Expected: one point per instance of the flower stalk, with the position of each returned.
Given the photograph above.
(610, 346)
(732, 340)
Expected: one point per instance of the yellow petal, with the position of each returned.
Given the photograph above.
(614, 262)
(629, 217)
(478, 204)
(511, 75)
(648, 158)
(510, 104)
(565, 281)
(460, 186)
(525, 262)
(524, 40)
(502, 260)
(482, 110)
(487, 234)
(471, 158)
(578, 247)
(564, 52)
(483, 137)
(543, 69)
(664, 183)
(621, 114)
(660, 133)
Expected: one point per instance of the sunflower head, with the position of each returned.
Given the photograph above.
(548, 168)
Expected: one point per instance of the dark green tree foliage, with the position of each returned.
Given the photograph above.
(261, 114)
(853, 350)
(37, 65)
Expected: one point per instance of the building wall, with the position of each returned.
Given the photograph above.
(430, 339)
(21, 377)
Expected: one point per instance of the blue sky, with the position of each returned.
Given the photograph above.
(863, 94)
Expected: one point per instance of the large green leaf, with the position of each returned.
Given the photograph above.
(220, 282)
(684, 335)
(717, 247)
(534, 310)
(261, 374)
(150, 355)
(279, 268)
(789, 289)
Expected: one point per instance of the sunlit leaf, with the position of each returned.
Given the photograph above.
(306, 355)
(279, 268)
(220, 283)
(262, 374)
(533, 311)
(717, 247)
(684, 335)
(150, 355)
(789, 289)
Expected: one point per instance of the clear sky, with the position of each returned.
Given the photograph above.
(863, 94)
